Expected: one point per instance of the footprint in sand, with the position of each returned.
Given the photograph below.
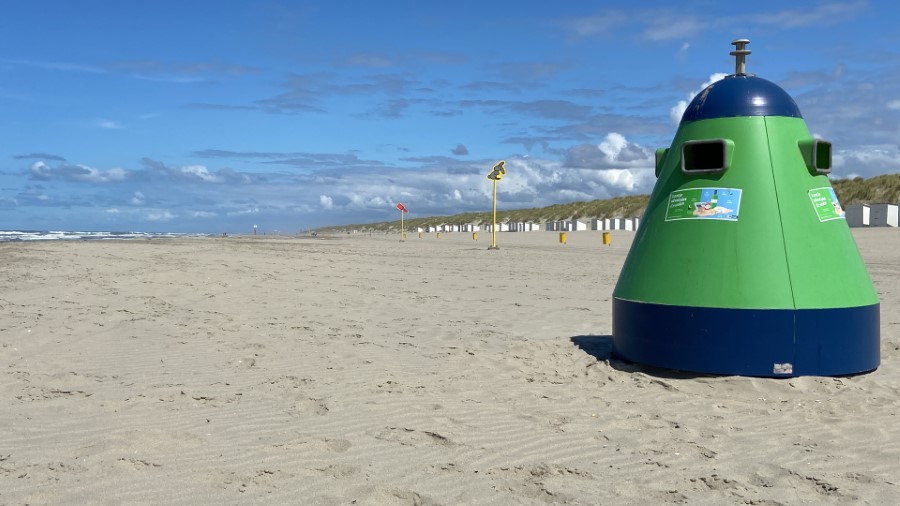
(311, 405)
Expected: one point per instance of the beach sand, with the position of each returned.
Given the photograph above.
(362, 370)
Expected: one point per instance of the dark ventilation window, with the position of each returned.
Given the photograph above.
(705, 156)
(817, 155)
(823, 157)
(661, 154)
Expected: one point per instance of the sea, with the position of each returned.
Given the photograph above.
(63, 235)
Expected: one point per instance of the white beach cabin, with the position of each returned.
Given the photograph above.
(857, 215)
(883, 215)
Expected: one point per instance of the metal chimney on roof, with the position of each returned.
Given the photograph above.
(740, 52)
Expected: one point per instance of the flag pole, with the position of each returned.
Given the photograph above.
(494, 226)
(496, 174)
(402, 232)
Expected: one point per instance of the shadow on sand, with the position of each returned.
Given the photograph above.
(601, 348)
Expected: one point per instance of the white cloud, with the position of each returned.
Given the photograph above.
(109, 124)
(200, 172)
(116, 174)
(612, 145)
(159, 216)
(40, 170)
(613, 152)
(623, 178)
(866, 161)
(112, 211)
(87, 174)
(611, 166)
(536, 182)
(678, 109)
(893, 104)
(77, 172)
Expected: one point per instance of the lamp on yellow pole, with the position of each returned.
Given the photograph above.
(403, 210)
(496, 174)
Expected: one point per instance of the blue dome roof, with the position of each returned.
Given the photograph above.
(741, 95)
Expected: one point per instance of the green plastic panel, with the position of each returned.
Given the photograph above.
(774, 252)
(824, 262)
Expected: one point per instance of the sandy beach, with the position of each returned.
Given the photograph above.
(362, 370)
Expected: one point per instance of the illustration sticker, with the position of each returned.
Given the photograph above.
(826, 204)
(704, 204)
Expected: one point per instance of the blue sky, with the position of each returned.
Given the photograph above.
(203, 116)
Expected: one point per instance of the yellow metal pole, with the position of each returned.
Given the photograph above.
(496, 174)
(494, 226)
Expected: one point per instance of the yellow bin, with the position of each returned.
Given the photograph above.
(474, 236)
(420, 235)
(606, 239)
(562, 237)
(438, 235)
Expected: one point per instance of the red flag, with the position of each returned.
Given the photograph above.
(400, 207)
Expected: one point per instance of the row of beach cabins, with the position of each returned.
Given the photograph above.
(550, 226)
(872, 215)
(858, 215)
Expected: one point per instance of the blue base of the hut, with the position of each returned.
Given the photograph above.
(748, 342)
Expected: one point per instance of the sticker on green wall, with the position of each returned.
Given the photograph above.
(704, 204)
(826, 204)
